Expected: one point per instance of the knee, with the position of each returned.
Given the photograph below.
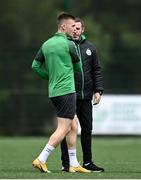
(66, 128)
(74, 126)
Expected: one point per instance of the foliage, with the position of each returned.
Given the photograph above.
(112, 26)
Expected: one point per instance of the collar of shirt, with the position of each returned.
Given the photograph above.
(60, 34)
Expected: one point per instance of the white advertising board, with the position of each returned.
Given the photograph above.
(117, 114)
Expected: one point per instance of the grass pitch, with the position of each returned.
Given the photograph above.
(121, 158)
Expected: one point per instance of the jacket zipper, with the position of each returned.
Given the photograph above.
(82, 90)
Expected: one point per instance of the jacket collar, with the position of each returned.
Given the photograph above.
(79, 41)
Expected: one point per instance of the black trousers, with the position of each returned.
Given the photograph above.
(84, 114)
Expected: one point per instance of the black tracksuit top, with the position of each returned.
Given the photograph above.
(90, 79)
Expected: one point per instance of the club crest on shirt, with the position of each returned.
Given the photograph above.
(88, 52)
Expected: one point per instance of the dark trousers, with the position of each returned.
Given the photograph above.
(84, 114)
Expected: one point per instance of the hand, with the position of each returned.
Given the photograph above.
(96, 98)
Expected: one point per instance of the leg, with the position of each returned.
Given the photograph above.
(64, 126)
(72, 135)
(86, 136)
(64, 155)
(71, 139)
(85, 118)
(65, 106)
(71, 144)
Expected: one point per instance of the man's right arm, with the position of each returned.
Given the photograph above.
(38, 65)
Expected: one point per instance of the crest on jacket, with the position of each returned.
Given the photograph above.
(88, 52)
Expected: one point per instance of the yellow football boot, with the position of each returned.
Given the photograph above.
(41, 166)
(78, 169)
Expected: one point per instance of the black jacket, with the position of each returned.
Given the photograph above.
(89, 80)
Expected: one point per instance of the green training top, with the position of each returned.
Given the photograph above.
(55, 61)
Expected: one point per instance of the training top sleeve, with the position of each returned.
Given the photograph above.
(40, 56)
(38, 65)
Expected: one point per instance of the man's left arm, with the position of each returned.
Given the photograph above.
(38, 65)
(97, 77)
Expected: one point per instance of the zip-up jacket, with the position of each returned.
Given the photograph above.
(89, 80)
(54, 61)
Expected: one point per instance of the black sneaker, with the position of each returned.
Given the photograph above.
(65, 168)
(91, 166)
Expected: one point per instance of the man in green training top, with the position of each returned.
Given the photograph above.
(54, 62)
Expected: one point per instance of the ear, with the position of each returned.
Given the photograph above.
(64, 26)
(83, 29)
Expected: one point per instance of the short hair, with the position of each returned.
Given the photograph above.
(64, 16)
(81, 21)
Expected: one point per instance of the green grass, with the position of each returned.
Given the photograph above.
(121, 158)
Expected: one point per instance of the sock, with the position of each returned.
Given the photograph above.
(72, 157)
(45, 153)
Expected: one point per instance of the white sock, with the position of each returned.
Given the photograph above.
(45, 153)
(72, 157)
